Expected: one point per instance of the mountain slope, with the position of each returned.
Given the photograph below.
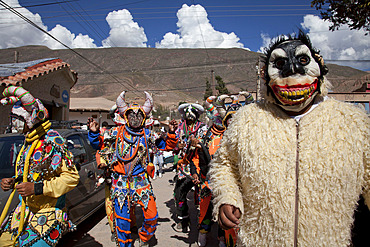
(172, 75)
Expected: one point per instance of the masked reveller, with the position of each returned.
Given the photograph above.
(44, 173)
(105, 145)
(221, 116)
(128, 158)
(290, 168)
(190, 128)
(98, 140)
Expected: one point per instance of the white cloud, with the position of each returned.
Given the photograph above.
(15, 32)
(195, 31)
(343, 44)
(266, 41)
(124, 31)
(66, 37)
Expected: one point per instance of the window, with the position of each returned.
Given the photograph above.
(76, 146)
(89, 148)
(9, 149)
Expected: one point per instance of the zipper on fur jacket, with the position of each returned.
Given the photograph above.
(296, 189)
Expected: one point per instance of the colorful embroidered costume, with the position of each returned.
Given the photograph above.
(44, 160)
(128, 157)
(220, 115)
(99, 139)
(190, 126)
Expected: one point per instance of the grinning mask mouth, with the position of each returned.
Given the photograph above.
(294, 94)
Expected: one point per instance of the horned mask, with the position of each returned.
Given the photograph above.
(191, 112)
(25, 106)
(219, 113)
(134, 109)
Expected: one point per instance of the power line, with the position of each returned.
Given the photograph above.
(176, 89)
(77, 21)
(175, 17)
(190, 16)
(173, 12)
(347, 60)
(169, 69)
(41, 4)
(42, 30)
(110, 42)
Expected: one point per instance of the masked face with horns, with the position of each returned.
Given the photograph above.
(134, 114)
(27, 111)
(190, 112)
(219, 113)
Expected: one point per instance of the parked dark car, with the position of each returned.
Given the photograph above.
(83, 200)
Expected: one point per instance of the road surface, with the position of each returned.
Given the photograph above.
(95, 230)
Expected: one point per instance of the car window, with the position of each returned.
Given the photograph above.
(89, 148)
(9, 149)
(76, 146)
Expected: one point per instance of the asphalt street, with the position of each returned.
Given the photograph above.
(95, 231)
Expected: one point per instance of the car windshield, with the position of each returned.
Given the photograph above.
(9, 149)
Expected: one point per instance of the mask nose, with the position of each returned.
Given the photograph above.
(292, 67)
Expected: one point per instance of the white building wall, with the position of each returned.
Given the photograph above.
(82, 117)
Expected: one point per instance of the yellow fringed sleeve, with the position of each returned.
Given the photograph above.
(65, 182)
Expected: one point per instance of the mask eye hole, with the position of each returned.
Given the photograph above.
(303, 60)
(280, 62)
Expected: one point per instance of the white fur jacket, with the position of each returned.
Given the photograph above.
(255, 170)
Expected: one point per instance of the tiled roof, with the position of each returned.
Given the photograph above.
(18, 73)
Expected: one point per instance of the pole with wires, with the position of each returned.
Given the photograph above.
(258, 80)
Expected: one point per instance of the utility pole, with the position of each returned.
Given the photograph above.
(213, 82)
(16, 56)
(258, 80)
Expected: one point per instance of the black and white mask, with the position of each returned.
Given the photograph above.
(293, 74)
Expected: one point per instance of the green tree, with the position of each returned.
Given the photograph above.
(221, 86)
(353, 13)
(208, 91)
(160, 111)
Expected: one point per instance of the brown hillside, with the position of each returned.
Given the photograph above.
(172, 75)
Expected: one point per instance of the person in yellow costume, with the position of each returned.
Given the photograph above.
(44, 173)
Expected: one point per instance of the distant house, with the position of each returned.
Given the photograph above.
(358, 92)
(81, 109)
(49, 80)
(98, 108)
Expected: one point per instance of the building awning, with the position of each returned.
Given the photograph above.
(91, 104)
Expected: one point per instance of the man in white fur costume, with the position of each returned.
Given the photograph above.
(291, 168)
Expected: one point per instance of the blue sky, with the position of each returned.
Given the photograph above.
(178, 24)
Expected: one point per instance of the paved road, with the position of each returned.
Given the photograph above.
(95, 231)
